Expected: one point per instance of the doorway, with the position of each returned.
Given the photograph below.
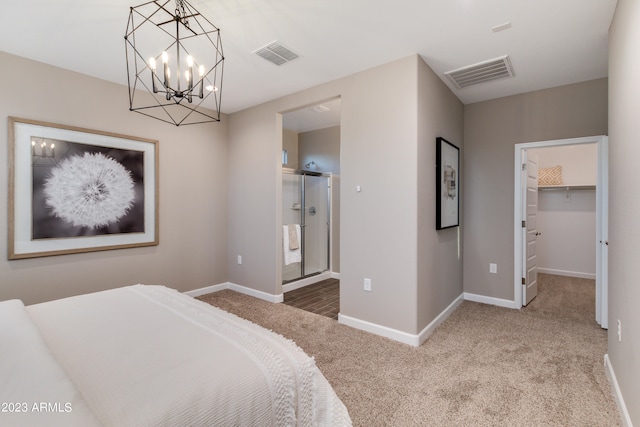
(310, 170)
(601, 232)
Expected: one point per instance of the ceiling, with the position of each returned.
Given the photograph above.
(550, 42)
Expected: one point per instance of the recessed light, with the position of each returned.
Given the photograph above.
(501, 27)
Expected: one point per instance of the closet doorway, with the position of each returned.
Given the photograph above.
(578, 184)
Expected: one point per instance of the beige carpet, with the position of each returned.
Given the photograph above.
(484, 366)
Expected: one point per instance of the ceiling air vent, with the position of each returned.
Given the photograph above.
(275, 53)
(482, 72)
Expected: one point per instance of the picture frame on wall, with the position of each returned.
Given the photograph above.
(447, 184)
(74, 190)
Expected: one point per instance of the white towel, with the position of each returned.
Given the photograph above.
(290, 255)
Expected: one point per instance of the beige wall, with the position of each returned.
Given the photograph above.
(290, 143)
(491, 130)
(379, 225)
(440, 113)
(193, 181)
(624, 201)
(321, 146)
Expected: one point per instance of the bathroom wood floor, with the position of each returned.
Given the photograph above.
(322, 298)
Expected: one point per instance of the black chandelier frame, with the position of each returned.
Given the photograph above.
(182, 30)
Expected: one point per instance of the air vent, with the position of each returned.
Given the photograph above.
(492, 69)
(275, 53)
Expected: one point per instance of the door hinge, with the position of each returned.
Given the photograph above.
(524, 224)
(524, 282)
(524, 166)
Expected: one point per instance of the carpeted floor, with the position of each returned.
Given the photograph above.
(484, 366)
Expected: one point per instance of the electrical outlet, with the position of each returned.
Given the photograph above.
(367, 285)
(493, 268)
(619, 331)
(239, 259)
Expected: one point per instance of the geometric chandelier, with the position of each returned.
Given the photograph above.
(174, 63)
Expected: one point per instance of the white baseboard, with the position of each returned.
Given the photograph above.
(577, 274)
(383, 331)
(428, 330)
(238, 288)
(491, 300)
(207, 290)
(308, 281)
(396, 335)
(624, 414)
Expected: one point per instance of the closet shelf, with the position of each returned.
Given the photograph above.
(566, 187)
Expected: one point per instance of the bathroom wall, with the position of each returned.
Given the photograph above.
(290, 143)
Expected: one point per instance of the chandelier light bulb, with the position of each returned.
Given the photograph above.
(181, 35)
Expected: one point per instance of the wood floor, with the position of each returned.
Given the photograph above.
(321, 298)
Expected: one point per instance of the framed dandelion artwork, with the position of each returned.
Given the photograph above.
(447, 184)
(77, 190)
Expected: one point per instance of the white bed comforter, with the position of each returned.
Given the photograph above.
(150, 356)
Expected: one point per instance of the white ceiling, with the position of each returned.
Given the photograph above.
(550, 42)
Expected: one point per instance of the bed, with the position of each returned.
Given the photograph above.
(150, 356)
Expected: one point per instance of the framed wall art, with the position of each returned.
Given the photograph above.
(447, 184)
(77, 190)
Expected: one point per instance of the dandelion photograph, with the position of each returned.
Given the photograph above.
(84, 190)
(77, 190)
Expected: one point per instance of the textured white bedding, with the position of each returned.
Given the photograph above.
(34, 390)
(150, 356)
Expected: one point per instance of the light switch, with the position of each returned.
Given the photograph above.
(358, 189)
(493, 268)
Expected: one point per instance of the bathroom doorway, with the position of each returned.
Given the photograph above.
(311, 193)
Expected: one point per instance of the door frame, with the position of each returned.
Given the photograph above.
(602, 198)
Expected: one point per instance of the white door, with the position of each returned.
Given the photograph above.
(602, 234)
(530, 273)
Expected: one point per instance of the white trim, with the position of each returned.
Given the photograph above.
(431, 327)
(602, 234)
(207, 290)
(383, 331)
(624, 414)
(577, 274)
(258, 294)
(492, 301)
(396, 335)
(601, 192)
(238, 288)
(306, 282)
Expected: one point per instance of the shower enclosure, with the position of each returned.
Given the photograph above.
(306, 201)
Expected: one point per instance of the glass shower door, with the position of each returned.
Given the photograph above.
(306, 203)
(316, 224)
(292, 214)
